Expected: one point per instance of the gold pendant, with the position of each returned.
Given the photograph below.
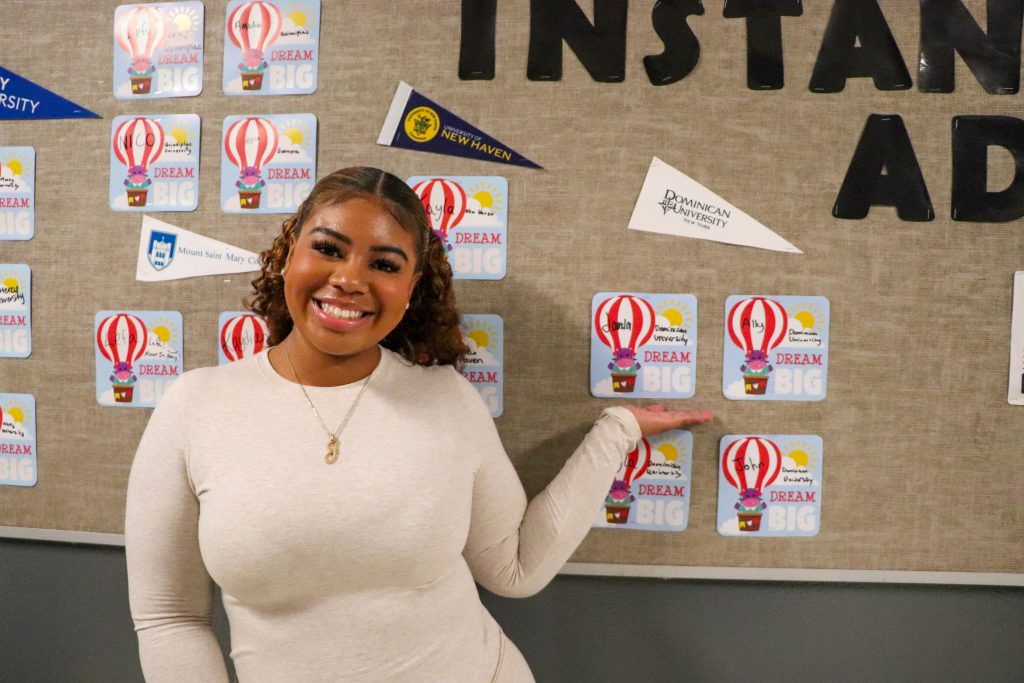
(332, 451)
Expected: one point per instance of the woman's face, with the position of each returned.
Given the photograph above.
(348, 278)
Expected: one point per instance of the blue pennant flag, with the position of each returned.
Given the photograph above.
(416, 122)
(20, 98)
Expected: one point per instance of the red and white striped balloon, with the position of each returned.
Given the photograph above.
(624, 322)
(254, 25)
(251, 142)
(139, 142)
(757, 324)
(140, 31)
(751, 463)
(444, 201)
(243, 336)
(637, 461)
(122, 338)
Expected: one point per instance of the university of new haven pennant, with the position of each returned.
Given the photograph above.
(416, 122)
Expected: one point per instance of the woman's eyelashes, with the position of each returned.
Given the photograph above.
(327, 247)
(334, 250)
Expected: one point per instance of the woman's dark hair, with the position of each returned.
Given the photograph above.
(429, 333)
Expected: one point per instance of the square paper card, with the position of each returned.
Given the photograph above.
(652, 488)
(138, 355)
(643, 345)
(17, 440)
(267, 163)
(15, 310)
(158, 50)
(470, 214)
(154, 163)
(271, 47)
(769, 485)
(17, 193)
(240, 334)
(776, 348)
(484, 334)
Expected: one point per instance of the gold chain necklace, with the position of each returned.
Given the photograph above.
(332, 440)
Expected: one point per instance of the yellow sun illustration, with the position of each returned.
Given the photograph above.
(16, 164)
(19, 412)
(166, 331)
(481, 333)
(809, 315)
(673, 450)
(11, 285)
(670, 452)
(301, 14)
(179, 135)
(802, 453)
(676, 313)
(184, 18)
(297, 131)
(488, 194)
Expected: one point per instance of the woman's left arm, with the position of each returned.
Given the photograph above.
(515, 549)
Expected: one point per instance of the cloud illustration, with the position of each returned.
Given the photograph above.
(735, 390)
(602, 388)
(730, 527)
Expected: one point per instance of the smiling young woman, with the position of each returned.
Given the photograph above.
(347, 487)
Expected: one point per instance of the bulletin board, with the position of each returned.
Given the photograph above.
(923, 455)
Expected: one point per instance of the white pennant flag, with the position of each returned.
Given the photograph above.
(167, 252)
(672, 203)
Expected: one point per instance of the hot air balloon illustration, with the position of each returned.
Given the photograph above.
(757, 325)
(122, 340)
(445, 203)
(243, 336)
(624, 323)
(139, 32)
(750, 465)
(250, 144)
(619, 499)
(138, 143)
(253, 27)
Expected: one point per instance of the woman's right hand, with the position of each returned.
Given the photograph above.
(655, 419)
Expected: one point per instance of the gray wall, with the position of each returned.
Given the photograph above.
(64, 617)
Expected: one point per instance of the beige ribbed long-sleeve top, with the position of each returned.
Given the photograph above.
(358, 571)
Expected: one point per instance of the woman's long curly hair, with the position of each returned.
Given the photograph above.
(429, 332)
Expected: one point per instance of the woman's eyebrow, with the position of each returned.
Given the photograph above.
(391, 250)
(332, 233)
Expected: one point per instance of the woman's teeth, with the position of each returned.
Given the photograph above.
(340, 313)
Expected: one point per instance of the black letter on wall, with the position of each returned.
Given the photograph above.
(972, 136)
(476, 54)
(884, 171)
(994, 59)
(764, 38)
(878, 57)
(601, 47)
(682, 49)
